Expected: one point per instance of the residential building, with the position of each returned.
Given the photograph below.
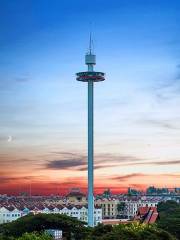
(75, 196)
(11, 213)
(109, 208)
(131, 206)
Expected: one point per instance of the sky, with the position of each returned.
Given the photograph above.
(43, 109)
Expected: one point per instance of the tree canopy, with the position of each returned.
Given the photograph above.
(32, 227)
(35, 236)
(40, 222)
(135, 231)
(169, 217)
(121, 206)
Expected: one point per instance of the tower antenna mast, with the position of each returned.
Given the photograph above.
(90, 43)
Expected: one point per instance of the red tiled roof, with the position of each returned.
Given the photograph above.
(143, 210)
(153, 217)
(147, 214)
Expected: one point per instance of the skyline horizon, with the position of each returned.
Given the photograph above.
(43, 111)
(33, 189)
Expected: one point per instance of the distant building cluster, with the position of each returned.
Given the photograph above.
(126, 208)
(162, 191)
(109, 208)
(73, 205)
(13, 212)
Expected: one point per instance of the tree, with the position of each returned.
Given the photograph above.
(107, 193)
(32, 227)
(169, 217)
(135, 231)
(40, 222)
(29, 236)
(121, 206)
(35, 236)
(99, 230)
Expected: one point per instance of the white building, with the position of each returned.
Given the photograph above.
(131, 207)
(9, 214)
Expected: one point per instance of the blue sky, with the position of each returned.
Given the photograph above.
(43, 108)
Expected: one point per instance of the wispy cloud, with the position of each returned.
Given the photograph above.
(170, 162)
(74, 164)
(74, 161)
(173, 162)
(159, 123)
(99, 166)
(101, 157)
(11, 84)
(22, 79)
(169, 88)
(78, 162)
(8, 160)
(8, 179)
(65, 164)
(139, 175)
(128, 176)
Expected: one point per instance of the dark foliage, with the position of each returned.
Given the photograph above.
(134, 231)
(169, 217)
(38, 223)
(75, 230)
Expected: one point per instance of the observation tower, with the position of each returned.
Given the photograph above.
(90, 77)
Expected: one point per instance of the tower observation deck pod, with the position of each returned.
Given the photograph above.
(90, 59)
(90, 77)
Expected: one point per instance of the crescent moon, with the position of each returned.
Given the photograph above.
(9, 139)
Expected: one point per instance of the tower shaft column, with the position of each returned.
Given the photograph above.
(90, 150)
(90, 156)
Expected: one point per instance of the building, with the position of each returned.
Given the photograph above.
(177, 190)
(155, 191)
(131, 206)
(147, 215)
(55, 233)
(11, 213)
(76, 196)
(109, 208)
